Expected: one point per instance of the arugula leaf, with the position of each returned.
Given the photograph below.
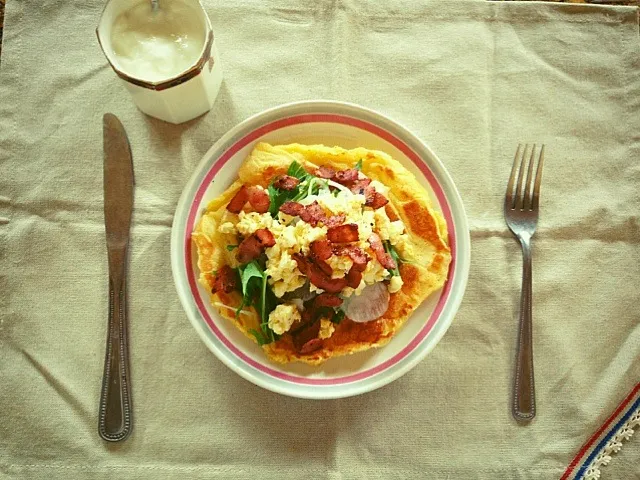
(278, 197)
(231, 247)
(297, 170)
(268, 303)
(248, 272)
(335, 314)
(358, 165)
(256, 292)
(274, 198)
(394, 254)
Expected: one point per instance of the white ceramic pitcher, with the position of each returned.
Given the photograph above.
(181, 97)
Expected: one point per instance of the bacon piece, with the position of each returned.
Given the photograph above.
(383, 257)
(252, 246)
(292, 208)
(238, 200)
(304, 265)
(312, 214)
(325, 282)
(356, 254)
(376, 200)
(334, 220)
(326, 172)
(259, 199)
(311, 346)
(347, 176)
(327, 300)
(265, 237)
(226, 280)
(286, 182)
(354, 276)
(343, 233)
(249, 249)
(307, 316)
(306, 334)
(320, 249)
(325, 267)
(391, 213)
(317, 276)
(360, 185)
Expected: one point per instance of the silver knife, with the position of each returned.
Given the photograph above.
(115, 416)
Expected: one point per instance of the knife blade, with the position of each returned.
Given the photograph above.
(115, 415)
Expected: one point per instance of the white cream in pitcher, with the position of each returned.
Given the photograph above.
(157, 45)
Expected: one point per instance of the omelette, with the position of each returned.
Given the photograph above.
(316, 252)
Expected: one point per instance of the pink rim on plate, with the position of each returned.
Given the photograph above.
(201, 299)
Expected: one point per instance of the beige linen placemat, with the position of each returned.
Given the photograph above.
(471, 79)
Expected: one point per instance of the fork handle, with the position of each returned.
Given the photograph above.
(524, 399)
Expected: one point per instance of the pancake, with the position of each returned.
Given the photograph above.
(422, 248)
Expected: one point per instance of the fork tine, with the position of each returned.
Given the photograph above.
(523, 165)
(512, 178)
(528, 189)
(536, 186)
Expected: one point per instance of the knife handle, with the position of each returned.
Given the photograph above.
(115, 419)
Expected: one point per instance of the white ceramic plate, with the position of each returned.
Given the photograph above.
(329, 123)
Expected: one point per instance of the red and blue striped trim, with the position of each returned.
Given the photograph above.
(311, 118)
(598, 441)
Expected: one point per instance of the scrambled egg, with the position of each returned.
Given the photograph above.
(252, 221)
(281, 319)
(305, 234)
(388, 230)
(340, 265)
(282, 270)
(395, 284)
(326, 328)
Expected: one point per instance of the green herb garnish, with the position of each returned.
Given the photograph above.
(278, 197)
(231, 247)
(358, 165)
(309, 185)
(338, 316)
(256, 292)
(297, 170)
(251, 270)
(390, 249)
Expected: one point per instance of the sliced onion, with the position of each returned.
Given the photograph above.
(298, 303)
(339, 186)
(371, 304)
(222, 305)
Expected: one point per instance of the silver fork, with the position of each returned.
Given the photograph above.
(521, 215)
